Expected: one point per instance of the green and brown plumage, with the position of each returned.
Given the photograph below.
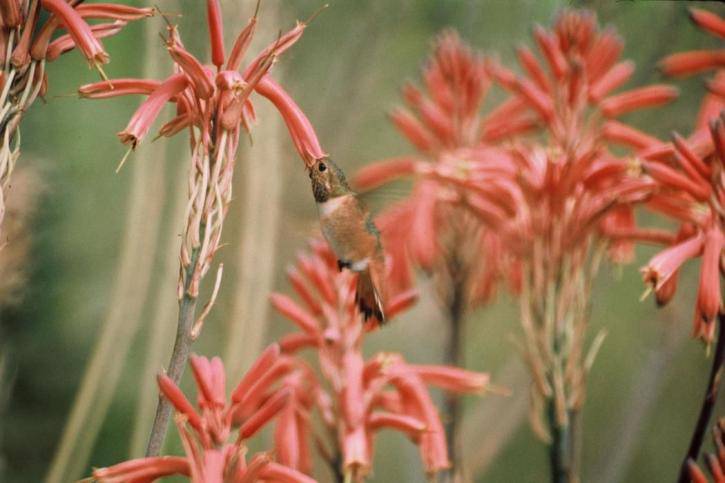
(348, 227)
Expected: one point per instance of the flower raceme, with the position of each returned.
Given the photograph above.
(213, 103)
(692, 191)
(205, 430)
(27, 43)
(443, 121)
(356, 397)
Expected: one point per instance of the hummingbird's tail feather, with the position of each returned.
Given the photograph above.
(368, 295)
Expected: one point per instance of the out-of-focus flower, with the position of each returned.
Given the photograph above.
(359, 397)
(685, 64)
(213, 105)
(26, 44)
(431, 229)
(692, 191)
(205, 430)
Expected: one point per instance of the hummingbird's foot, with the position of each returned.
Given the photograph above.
(343, 264)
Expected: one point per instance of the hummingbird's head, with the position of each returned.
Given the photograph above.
(328, 180)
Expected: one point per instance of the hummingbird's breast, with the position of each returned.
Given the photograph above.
(343, 224)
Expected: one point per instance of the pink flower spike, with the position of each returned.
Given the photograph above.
(451, 378)
(649, 96)
(195, 72)
(65, 43)
(697, 187)
(376, 174)
(149, 110)
(300, 285)
(692, 62)
(551, 51)
(282, 474)
(663, 265)
(401, 302)
(300, 128)
(117, 87)
(292, 343)
(268, 410)
(276, 48)
(619, 133)
(241, 44)
(78, 30)
(216, 32)
(143, 469)
(113, 11)
(413, 130)
(263, 363)
(686, 152)
(408, 424)
(614, 78)
(709, 21)
(289, 308)
(207, 378)
(709, 300)
(172, 392)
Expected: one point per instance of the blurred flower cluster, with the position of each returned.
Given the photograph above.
(538, 187)
(205, 432)
(355, 396)
(691, 186)
(28, 41)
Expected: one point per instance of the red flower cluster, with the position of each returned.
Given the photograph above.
(691, 188)
(444, 122)
(205, 431)
(358, 397)
(27, 28)
(213, 104)
(26, 40)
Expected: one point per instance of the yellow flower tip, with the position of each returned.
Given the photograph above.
(123, 160)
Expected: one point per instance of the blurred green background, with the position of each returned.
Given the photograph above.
(346, 72)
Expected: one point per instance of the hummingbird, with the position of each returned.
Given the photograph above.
(349, 230)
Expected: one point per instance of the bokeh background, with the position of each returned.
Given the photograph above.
(101, 248)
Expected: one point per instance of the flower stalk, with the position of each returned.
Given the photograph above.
(708, 404)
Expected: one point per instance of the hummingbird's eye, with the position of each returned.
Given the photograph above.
(322, 167)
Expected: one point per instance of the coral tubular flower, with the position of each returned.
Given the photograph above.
(78, 30)
(691, 190)
(147, 113)
(352, 394)
(27, 44)
(209, 454)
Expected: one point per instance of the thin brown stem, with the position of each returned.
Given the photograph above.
(177, 364)
(708, 404)
(454, 356)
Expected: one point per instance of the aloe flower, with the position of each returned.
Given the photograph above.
(434, 229)
(213, 105)
(556, 201)
(692, 191)
(205, 430)
(27, 44)
(356, 397)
